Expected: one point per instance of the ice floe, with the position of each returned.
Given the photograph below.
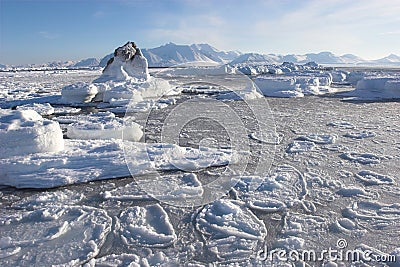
(360, 135)
(147, 226)
(267, 137)
(373, 178)
(105, 126)
(25, 131)
(341, 124)
(284, 187)
(64, 236)
(173, 188)
(41, 109)
(319, 138)
(300, 146)
(376, 87)
(79, 92)
(230, 230)
(89, 160)
(374, 214)
(55, 198)
(295, 85)
(363, 158)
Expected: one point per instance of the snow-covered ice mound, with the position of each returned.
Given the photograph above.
(147, 226)
(231, 231)
(104, 125)
(25, 131)
(78, 93)
(90, 160)
(63, 236)
(136, 92)
(126, 77)
(128, 62)
(370, 88)
(42, 109)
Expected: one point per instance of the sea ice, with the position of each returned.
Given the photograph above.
(363, 158)
(41, 109)
(173, 188)
(319, 138)
(90, 160)
(231, 231)
(55, 198)
(374, 214)
(373, 178)
(78, 93)
(64, 236)
(376, 87)
(147, 226)
(360, 135)
(25, 131)
(105, 126)
(300, 146)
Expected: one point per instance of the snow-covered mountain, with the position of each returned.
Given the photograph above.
(173, 54)
(254, 57)
(89, 62)
(391, 59)
(3, 66)
(320, 58)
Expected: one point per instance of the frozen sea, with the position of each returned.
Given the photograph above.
(332, 177)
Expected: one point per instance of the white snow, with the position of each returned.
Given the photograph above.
(41, 109)
(128, 63)
(25, 131)
(147, 226)
(105, 126)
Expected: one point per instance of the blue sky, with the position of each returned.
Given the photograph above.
(37, 31)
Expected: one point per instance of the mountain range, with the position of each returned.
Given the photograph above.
(172, 54)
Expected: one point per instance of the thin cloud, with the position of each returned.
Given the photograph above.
(98, 14)
(47, 35)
